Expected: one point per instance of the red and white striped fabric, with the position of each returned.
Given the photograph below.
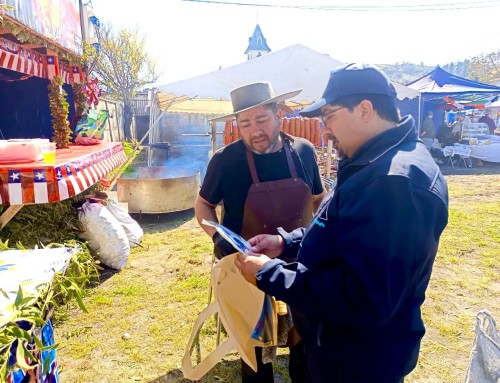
(77, 74)
(39, 183)
(39, 67)
(28, 62)
(52, 66)
(9, 55)
(66, 73)
(21, 60)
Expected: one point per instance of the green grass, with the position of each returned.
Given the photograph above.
(157, 297)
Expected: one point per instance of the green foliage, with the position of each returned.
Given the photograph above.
(81, 273)
(124, 65)
(59, 109)
(460, 68)
(128, 147)
(23, 310)
(41, 224)
(65, 287)
(486, 67)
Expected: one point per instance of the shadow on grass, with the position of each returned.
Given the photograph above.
(478, 167)
(153, 223)
(224, 371)
(227, 371)
(106, 273)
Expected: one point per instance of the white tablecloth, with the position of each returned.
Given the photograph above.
(489, 152)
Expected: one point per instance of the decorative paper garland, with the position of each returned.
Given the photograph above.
(79, 99)
(59, 109)
(24, 34)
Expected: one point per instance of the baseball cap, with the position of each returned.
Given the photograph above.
(350, 80)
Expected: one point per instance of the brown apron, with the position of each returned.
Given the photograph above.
(285, 203)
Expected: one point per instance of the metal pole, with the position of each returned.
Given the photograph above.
(151, 130)
(419, 114)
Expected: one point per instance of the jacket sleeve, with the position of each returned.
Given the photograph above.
(292, 241)
(377, 252)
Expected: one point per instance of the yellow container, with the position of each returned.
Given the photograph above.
(49, 153)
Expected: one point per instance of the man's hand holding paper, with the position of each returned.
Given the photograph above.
(270, 245)
(264, 247)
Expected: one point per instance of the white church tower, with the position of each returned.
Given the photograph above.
(257, 45)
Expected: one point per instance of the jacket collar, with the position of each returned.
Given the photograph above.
(379, 145)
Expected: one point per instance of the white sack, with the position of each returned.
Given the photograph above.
(132, 229)
(105, 234)
(484, 363)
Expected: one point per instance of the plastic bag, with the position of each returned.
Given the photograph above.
(90, 128)
(239, 305)
(132, 229)
(105, 234)
(484, 363)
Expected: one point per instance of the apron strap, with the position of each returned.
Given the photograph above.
(289, 160)
(291, 165)
(251, 165)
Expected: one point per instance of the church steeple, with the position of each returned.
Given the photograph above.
(257, 45)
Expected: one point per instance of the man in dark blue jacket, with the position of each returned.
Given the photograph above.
(365, 260)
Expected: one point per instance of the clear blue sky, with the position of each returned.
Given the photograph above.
(192, 38)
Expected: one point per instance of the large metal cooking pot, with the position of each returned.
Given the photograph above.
(159, 189)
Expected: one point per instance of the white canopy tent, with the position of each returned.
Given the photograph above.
(294, 67)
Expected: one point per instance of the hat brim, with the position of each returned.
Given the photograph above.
(277, 99)
(313, 110)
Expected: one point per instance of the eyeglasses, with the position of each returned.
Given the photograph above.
(324, 116)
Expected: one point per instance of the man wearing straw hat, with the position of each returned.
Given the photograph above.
(265, 180)
(364, 262)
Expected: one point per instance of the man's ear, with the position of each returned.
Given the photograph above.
(366, 110)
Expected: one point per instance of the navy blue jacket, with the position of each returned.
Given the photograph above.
(365, 260)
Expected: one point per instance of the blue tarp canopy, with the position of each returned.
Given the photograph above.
(439, 83)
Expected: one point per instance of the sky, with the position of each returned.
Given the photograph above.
(191, 38)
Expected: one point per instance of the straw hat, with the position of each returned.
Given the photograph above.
(256, 94)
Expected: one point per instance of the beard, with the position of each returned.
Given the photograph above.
(340, 153)
(271, 140)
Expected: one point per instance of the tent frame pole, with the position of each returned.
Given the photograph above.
(419, 114)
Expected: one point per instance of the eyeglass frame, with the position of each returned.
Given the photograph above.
(324, 116)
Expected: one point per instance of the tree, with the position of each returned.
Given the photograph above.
(485, 67)
(123, 66)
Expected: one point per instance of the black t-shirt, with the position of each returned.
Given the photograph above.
(228, 177)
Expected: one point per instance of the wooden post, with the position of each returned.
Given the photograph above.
(329, 159)
(8, 214)
(213, 132)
